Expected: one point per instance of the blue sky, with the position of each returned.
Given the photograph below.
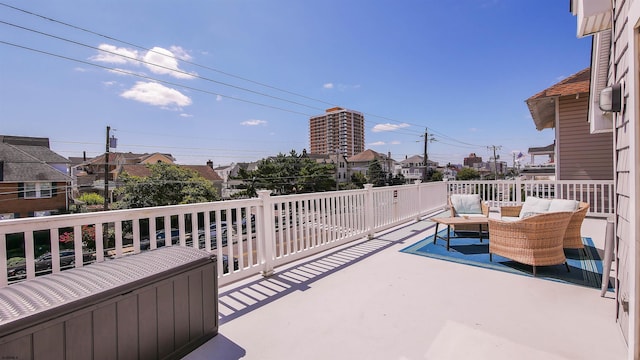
(238, 80)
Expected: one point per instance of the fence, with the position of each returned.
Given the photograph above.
(247, 236)
(255, 235)
(599, 194)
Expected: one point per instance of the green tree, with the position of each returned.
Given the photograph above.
(376, 175)
(289, 174)
(317, 177)
(468, 174)
(397, 179)
(358, 180)
(436, 176)
(168, 184)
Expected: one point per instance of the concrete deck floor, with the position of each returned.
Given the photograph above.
(367, 300)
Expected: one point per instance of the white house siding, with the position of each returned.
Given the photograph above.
(581, 155)
(624, 60)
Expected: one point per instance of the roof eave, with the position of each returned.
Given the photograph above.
(543, 112)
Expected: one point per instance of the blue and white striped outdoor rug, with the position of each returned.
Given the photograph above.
(585, 266)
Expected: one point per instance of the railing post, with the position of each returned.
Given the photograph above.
(3, 259)
(266, 242)
(518, 192)
(419, 195)
(369, 211)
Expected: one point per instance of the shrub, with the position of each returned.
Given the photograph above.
(92, 199)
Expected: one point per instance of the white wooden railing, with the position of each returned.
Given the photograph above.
(598, 193)
(261, 233)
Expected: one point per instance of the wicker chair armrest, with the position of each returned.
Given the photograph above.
(512, 211)
(485, 208)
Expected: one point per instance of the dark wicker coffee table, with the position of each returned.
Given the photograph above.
(458, 221)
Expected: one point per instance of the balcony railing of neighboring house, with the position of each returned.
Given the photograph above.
(256, 235)
(251, 235)
(598, 193)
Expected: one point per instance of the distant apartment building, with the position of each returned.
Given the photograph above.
(337, 131)
(471, 160)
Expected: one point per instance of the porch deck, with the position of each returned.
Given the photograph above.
(367, 300)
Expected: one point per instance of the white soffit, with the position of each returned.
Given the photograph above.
(593, 16)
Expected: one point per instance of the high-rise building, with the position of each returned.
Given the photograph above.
(337, 131)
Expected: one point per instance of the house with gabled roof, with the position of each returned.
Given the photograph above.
(89, 175)
(360, 162)
(412, 167)
(579, 153)
(34, 180)
(142, 170)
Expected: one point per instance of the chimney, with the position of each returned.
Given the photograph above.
(84, 156)
(210, 163)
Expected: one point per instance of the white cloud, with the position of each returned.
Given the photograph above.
(162, 61)
(180, 53)
(377, 143)
(156, 94)
(395, 142)
(253, 122)
(328, 86)
(218, 98)
(115, 55)
(109, 83)
(389, 127)
(473, 130)
(186, 115)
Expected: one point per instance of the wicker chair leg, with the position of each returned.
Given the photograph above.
(567, 265)
(490, 257)
(534, 270)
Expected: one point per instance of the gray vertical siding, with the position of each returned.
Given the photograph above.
(581, 155)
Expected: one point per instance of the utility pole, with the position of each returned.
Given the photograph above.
(495, 159)
(106, 172)
(337, 169)
(426, 154)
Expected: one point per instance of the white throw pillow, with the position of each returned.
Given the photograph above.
(466, 203)
(533, 205)
(563, 205)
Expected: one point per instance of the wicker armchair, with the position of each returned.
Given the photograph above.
(454, 213)
(536, 240)
(572, 237)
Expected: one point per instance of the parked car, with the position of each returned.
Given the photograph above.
(145, 244)
(43, 263)
(253, 224)
(225, 263)
(213, 233)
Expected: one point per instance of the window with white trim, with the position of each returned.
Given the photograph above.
(37, 190)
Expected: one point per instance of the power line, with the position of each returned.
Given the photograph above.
(219, 71)
(149, 78)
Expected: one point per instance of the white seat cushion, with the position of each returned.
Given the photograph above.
(466, 203)
(563, 205)
(533, 205)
